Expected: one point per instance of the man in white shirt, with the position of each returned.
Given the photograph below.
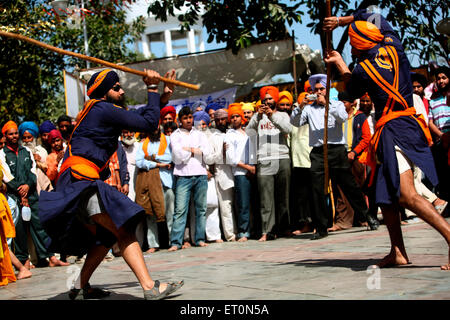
(130, 146)
(240, 156)
(222, 174)
(189, 149)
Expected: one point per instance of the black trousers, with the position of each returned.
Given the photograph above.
(341, 174)
(301, 198)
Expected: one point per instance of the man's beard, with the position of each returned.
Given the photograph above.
(31, 145)
(221, 127)
(129, 141)
(155, 136)
(120, 102)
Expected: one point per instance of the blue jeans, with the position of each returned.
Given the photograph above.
(242, 189)
(184, 187)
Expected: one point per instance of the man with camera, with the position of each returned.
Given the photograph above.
(339, 167)
(272, 128)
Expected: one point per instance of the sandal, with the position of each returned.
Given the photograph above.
(88, 293)
(440, 209)
(155, 294)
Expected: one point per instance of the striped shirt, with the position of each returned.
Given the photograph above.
(440, 113)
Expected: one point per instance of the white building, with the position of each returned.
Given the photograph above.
(164, 39)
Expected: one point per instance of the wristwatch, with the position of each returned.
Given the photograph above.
(152, 86)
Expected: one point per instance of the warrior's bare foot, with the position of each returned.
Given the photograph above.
(218, 241)
(394, 258)
(24, 273)
(173, 248)
(335, 228)
(186, 245)
(28, 265)
(152, 250)
(243, 239)
(447, 266)
(263, 238)
(202, 244)
(54, 262)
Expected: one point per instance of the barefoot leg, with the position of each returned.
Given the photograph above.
(24, 273)
(54, 262)
(398, 255)
(421, 207)
(263, 238)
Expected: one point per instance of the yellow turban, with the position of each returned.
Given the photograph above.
(248, 106)
(285, 96)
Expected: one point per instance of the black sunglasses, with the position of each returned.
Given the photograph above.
(117, 88)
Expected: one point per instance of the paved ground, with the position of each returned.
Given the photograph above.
(284, 269)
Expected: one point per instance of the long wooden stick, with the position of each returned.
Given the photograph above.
(327, 97)
(94, 60)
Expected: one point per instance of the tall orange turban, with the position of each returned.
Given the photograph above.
(236, 108)
(301, 97)
(364, 35)
(273, 91)
(285, 96)
(307, 86)
(8, 126)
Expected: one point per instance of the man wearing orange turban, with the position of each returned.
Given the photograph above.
(307, 87)
(269, 92)
(9, 125)
(236, 108)
(274, 164)
(402, 140)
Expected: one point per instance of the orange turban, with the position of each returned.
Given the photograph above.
(236, 108)
(273, 91)
(301, 97)
(365, 95)
(364, 35)
(307, 86)
(285, 96)
(8, 126)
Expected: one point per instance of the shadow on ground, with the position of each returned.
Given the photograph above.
(353, 264)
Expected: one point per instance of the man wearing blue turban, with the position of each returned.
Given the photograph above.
(44, 130)
(28, 133)
(200, 116)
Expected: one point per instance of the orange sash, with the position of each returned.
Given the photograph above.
(162, 145)
(368, 156)
(81, 168)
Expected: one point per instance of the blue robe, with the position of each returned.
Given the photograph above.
(95, 139)
(404, 131)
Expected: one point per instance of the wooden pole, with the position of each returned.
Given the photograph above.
(294, 66)
(327, 97)
(94, 60)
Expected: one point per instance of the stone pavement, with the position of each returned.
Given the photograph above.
(284, 269)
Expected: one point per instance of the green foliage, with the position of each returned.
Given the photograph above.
(414, 21)
(31, 82)
(237, 23)
(242, 23)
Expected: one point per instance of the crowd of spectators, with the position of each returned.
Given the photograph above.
(214, 173)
